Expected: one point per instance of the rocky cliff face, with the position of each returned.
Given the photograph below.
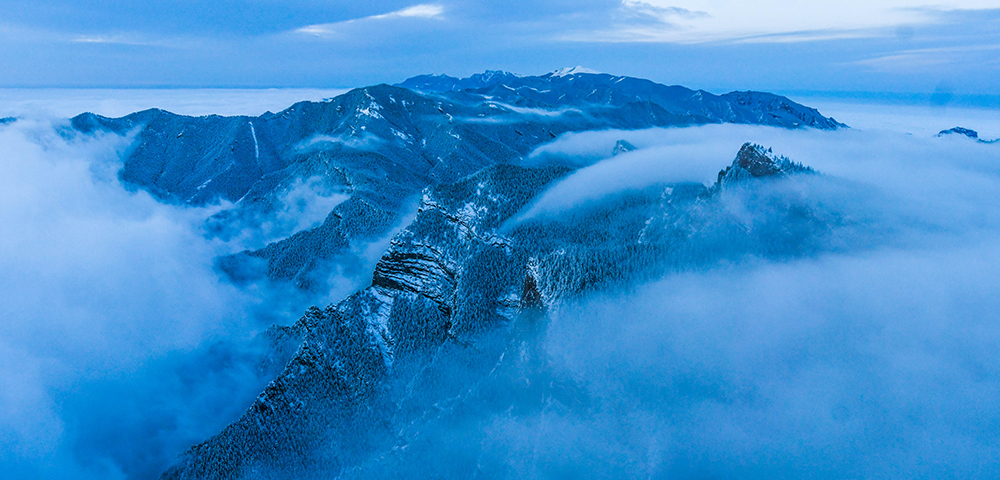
(448, 330)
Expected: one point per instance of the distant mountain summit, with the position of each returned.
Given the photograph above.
(562, 72)
(445, 83)
(968, 132)
(585, 89)
(960, 131)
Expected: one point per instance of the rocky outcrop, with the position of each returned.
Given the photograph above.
(967, 132)
(622, 146)
(754, 161)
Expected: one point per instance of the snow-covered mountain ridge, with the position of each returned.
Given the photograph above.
(381, 145)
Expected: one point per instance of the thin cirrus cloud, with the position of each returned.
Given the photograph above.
(423, 10)
(134, 40)
(770, 21)
(916, 59)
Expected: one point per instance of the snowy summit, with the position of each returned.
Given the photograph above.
(566, 71)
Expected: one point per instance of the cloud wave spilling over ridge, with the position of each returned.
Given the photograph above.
(878, 361)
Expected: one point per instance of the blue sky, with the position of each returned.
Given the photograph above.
(901, 46)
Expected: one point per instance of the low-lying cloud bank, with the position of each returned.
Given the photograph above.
(879, 361)
(113, 316)
(876, 365)
(121, 344)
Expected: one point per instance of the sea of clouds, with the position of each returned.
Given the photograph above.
(121, 346)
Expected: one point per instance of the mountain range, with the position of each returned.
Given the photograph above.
(392, 381)
(381, 145)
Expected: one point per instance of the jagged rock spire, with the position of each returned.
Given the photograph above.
(755, 161)
(622, 147)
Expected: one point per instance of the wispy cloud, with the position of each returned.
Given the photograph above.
(416, 11)
(769, 21)
(21, 33)
(123, 39)
(96, 39)
(424, 10)
(930, 57)
(643, 12)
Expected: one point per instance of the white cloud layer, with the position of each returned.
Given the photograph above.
(97, 282)
(887, 155)
(871, 365)
(423, 10)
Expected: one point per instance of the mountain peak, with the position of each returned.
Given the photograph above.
(968, 132)
(445, 83)
(755, 161)
(567, 71)
(622, 146)
(490, 75)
